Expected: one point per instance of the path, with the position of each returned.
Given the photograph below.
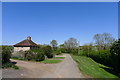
(66, 69)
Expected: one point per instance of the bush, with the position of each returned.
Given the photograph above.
(6, 54)
(19, 55)
(7, 65)
(101, 56)
(29, 55)
(74, 51)
(36, 54)
(115, 52)
(10, 65)
(40, 56)
(48, 51)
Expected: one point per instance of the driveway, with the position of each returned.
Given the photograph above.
(66, 69)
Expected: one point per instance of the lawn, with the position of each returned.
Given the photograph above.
(91, 68)
(59, 58)
(50, 61)
(47, 61)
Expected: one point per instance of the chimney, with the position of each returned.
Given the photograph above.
(29, 38)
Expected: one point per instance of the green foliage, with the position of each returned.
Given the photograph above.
(74, 51)
(63, 50)
(40, 56)
(18, 58)
(7, 65)
(10, 65)
(6, 54)
(115, 52)
(54, 44)
(57, 52)
(20, 54)
(35, 54)
(101, 56)
(48, 51)
(15, 67)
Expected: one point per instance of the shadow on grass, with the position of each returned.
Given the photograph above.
(112, 71)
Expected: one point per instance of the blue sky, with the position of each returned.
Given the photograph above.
(60, 21)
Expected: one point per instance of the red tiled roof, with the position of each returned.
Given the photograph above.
(26, 43)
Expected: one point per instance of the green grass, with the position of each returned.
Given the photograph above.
(15, 58)
(50, 61)
(92, 68)
(59, 58)
(47, 61)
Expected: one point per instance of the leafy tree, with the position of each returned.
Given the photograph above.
(54, 44)
(115, 52)
(61, 46)
(6, 54)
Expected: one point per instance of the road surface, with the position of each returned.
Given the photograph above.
(66, 69)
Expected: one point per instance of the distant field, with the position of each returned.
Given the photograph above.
(92, 68)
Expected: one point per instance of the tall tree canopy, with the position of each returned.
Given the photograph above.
(54, 44)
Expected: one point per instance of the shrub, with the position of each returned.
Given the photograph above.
(6, 54)
(29, 55)
(19, 54)
(101, 56)
(40, 56)
(74, 51)
(35, 54)
(48, 51)
(7, 65)
(115, 52)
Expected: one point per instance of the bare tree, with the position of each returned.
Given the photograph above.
(103, 41)
(71, 43)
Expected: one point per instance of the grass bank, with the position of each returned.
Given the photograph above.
(92, 68)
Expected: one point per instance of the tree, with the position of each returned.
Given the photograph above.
(54, 44)
(107, 40)
(115, 52)
(71, 43)
(103, 41)
(6, 54)
(61, 46)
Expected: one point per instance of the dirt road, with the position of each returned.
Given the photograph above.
(66, 69)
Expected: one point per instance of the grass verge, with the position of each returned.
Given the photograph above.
(92, 68)
(59, 58)
(50, 61)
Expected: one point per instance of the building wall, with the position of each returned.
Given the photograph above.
(21, 48)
